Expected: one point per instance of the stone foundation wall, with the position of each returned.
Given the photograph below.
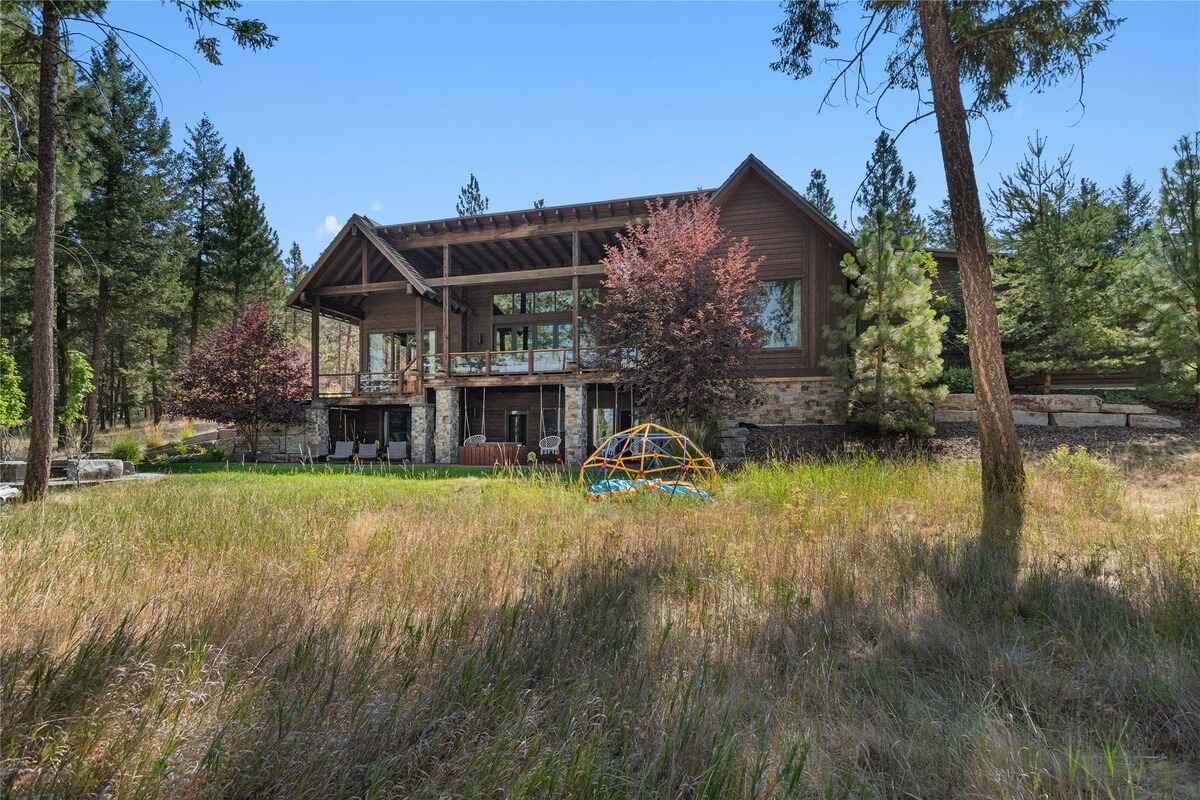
(796, 401)
(304, 441)
(783, 401)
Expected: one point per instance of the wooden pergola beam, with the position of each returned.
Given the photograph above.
(513, 276)
(351, 289)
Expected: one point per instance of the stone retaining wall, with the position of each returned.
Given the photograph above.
(1061, 410)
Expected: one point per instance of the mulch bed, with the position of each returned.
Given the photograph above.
(962, 440)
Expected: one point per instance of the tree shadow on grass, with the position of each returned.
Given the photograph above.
(1077, 681)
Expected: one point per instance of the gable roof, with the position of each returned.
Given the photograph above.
(365, 228)
(751, 164)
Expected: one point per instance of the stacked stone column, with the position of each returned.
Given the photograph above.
(575, 423)
(446, 435)
(315, 439)
(422, 434)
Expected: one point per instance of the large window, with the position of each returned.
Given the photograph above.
(780, 314)
(550, 301)
(552, 335)
(386, 352)
(391, 351)
(510, 337)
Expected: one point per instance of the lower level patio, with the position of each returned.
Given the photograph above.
(557, 423)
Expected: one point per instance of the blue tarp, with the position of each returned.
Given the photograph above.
(615, 486)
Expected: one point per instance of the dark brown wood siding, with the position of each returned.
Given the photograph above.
(499, 405)
(791, 246)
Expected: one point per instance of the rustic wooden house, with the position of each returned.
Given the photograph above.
(479, 325)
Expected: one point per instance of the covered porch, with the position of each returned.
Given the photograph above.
(559, 423)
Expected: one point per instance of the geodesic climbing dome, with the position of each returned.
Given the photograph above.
(646, 458)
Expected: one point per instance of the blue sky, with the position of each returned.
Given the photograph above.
(384, 108)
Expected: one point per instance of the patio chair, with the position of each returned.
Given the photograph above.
(548, 447)
(368, 451)
(342, 452)
(397, 452)
(476, 438)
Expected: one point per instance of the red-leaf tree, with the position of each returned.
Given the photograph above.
(245, 373)
(680, 312)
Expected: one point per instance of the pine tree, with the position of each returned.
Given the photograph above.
(1165, 276)
(941, 227)
(248, 256)
(204, 171)
(817, 193)
(294, 267)
(200, 17)
(887, 187)
(1057, 307)
(470, 200)
(128, 213)
(890, 335)
(294, 270)
(1134, 212)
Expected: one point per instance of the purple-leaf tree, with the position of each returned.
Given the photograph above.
(244, 373)
(680, 310)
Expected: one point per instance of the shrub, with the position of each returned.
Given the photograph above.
(958, 379)
(215, 453)
(126, 449)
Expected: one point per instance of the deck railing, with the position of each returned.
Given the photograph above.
(484, 363)
(532, 361)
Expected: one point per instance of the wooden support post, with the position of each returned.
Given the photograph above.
(575, 300)
(446, 306)
(316, 347)
(420, 348)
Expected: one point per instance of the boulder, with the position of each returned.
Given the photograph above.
(1126, 408)
(1071, 403)
(957, 402)
(1030, 417)
(1088, 420)
(95, 469)
(953, 415)
(1153, 421)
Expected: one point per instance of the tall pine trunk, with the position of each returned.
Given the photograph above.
(1000, 450)
(197, 275)
(41, 396)
(194, 328)
(62, 371)
(99, 329)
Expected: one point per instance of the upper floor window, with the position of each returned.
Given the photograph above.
(780, 314)
(549, 301)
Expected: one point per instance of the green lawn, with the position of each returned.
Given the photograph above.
(417, 471)
(813, 632)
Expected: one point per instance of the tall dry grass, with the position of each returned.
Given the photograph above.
(806, 635)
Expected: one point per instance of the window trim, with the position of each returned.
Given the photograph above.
(801, 295)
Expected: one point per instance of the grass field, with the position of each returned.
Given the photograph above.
(808, 634)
